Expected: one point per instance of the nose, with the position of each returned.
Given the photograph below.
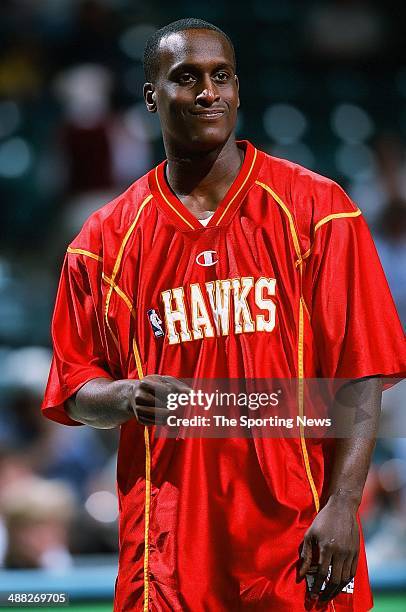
(208, 95)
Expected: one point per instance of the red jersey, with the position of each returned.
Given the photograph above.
(283, 282)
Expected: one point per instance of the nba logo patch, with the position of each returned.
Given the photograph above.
(156, 323)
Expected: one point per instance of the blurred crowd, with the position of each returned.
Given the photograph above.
(322, 84)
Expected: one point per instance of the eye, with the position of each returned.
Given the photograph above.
(186, 78)
(222, 76)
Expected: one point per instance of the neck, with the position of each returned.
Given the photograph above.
(201, 180)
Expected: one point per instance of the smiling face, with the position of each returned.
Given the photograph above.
(196, 90)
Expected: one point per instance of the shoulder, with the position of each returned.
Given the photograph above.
(110, 222)
(304, 189)
(308, 197)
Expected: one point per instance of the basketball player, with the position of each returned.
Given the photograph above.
(224, 262)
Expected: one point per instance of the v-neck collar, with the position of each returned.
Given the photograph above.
(182, 216)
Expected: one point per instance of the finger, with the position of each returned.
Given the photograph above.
(164, 384)
(345, 577)
(142, 397)
(176, 383)
(354, 565)
(151, 395)
(335, 579)
(151, 414)
(322, 571)
(305, 556)
(159, 414)
(164, 392)
(156, 401)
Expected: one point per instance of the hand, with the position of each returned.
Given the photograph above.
(335, 534)
(147, 397)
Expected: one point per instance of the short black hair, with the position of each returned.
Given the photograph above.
(152, 45)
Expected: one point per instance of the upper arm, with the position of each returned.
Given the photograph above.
(354, 320)
(78, 343)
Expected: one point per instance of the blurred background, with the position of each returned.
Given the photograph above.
(322, 84)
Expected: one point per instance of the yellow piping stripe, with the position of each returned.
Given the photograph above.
(342, 215)
(302, 307)
(119, 257)
(305, 255)
(242, 186)
(288, 214)
(97, 258)
(113, 335)
(121, 293)
(116, 342)
(306, 309)
(83, 252)
(137, 357)
(301, 409)
(147, 489)
(147, 513)
(125, 298)
(169, 204)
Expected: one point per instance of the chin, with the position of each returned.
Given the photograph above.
(209, 139)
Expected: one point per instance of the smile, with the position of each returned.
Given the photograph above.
(208, 115)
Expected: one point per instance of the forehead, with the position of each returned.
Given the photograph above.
(194, 47)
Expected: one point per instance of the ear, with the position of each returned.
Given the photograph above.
(237, 82)
(150, 97)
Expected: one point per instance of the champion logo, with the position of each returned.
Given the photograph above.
(207, 258)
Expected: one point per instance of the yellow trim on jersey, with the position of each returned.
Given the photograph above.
(175, 210)
(97, 258)
(121, 293)
(301, 407)
(288, 214)
(119, 257)
(319, 224)
(138, 361)
(342, 215)
(83, 252)
(239, 191)
(127, 301)
(306, 309)
(302, 308)
(125, 298)
(147, 515)
(147, 490)
(304, 256)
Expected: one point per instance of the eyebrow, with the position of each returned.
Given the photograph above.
(192, 67)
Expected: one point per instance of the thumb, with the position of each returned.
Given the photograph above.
(306, 556)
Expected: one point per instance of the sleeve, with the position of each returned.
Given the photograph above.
(356, 328)
(78, 355)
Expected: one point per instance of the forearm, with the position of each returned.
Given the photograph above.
(358, 408)
(334, 531)
(102, 403)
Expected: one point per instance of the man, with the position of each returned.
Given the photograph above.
(223, 262)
